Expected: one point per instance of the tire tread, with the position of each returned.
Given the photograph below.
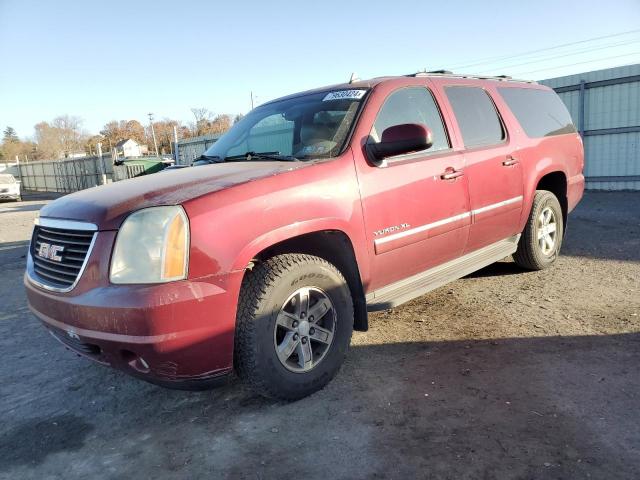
(255, 287)
(526, 256)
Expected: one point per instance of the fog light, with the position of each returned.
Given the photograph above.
(135, 361)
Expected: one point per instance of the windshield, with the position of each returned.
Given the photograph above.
(305, 127)
(5, 178)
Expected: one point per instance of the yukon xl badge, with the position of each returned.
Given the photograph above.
(392, 229)
(51, 252)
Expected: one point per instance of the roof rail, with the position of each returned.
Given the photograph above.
(447, 73)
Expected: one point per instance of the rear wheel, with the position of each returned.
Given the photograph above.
(294, 325)
(540, 243)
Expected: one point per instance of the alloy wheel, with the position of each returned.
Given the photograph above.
(304, 329)
(547, 230)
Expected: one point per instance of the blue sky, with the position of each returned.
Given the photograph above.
(122, 59)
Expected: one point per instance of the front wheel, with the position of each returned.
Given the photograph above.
(293, 327)
(540, 243)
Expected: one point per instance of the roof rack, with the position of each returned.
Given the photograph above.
(447, 73)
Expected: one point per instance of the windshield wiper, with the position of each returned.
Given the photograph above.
(211, 158)
(251, 156)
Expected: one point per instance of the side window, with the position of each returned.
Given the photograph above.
(412, 105)
(540, 112)
(476, 115)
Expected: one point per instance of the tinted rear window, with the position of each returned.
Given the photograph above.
(540, 112)
(476, 115)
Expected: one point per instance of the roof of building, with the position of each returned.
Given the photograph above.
(122, 142)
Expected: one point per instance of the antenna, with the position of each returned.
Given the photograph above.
(354, 78)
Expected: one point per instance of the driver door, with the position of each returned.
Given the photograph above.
(415, 206)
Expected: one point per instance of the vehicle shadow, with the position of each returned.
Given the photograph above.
(515, 407)
(498, 269)
(11, 207)
(12, 245)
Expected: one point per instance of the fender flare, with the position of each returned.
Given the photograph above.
(543, 167)
(287, 232)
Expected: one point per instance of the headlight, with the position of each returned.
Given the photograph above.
(152, 247)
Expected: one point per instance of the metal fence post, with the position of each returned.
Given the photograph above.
(19, 171)
(581, 120)
(176, 155)
(44, 177)
(103, 170)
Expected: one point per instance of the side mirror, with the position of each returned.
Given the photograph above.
(399, 139)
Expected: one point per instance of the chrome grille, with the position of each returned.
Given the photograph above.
(75, 245)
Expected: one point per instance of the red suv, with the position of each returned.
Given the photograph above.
(316, 208)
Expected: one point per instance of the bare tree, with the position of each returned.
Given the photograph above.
(201, 114)
(68, 129)
(208, 123)
(115, 131)
(48, 142)
(60, 138)
(220, 124)
(164, 133)
(91, 144)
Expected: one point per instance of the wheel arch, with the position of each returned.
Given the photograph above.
(556, 183)
(546, 176)
(333, 245)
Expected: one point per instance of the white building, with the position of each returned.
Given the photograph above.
(130, 148)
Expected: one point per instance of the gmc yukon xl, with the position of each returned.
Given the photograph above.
(316, 208)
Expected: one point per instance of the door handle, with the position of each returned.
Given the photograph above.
(451, 174)
(510, 161)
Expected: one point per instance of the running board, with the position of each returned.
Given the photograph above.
(400, 292)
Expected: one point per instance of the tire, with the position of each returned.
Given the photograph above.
(534, 253)
(269, 307)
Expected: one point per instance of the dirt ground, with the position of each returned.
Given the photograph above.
(503, 374)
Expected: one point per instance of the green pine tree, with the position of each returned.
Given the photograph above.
(10, 136)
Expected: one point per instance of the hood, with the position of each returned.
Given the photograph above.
(107, 205)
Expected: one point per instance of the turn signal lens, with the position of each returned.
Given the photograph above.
(175, 253)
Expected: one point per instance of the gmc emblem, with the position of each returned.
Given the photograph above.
(51, 252)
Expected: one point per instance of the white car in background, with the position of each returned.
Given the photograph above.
(9, 187)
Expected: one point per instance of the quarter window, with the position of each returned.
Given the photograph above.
(540, 112)
(476, 115)
(412, 105)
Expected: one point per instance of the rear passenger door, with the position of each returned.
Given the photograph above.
(493, 170)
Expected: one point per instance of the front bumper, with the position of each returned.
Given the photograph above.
(175, 333)
(9, 196)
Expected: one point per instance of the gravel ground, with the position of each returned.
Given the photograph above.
(503, 374)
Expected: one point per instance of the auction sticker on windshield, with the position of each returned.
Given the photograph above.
(344, 94)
